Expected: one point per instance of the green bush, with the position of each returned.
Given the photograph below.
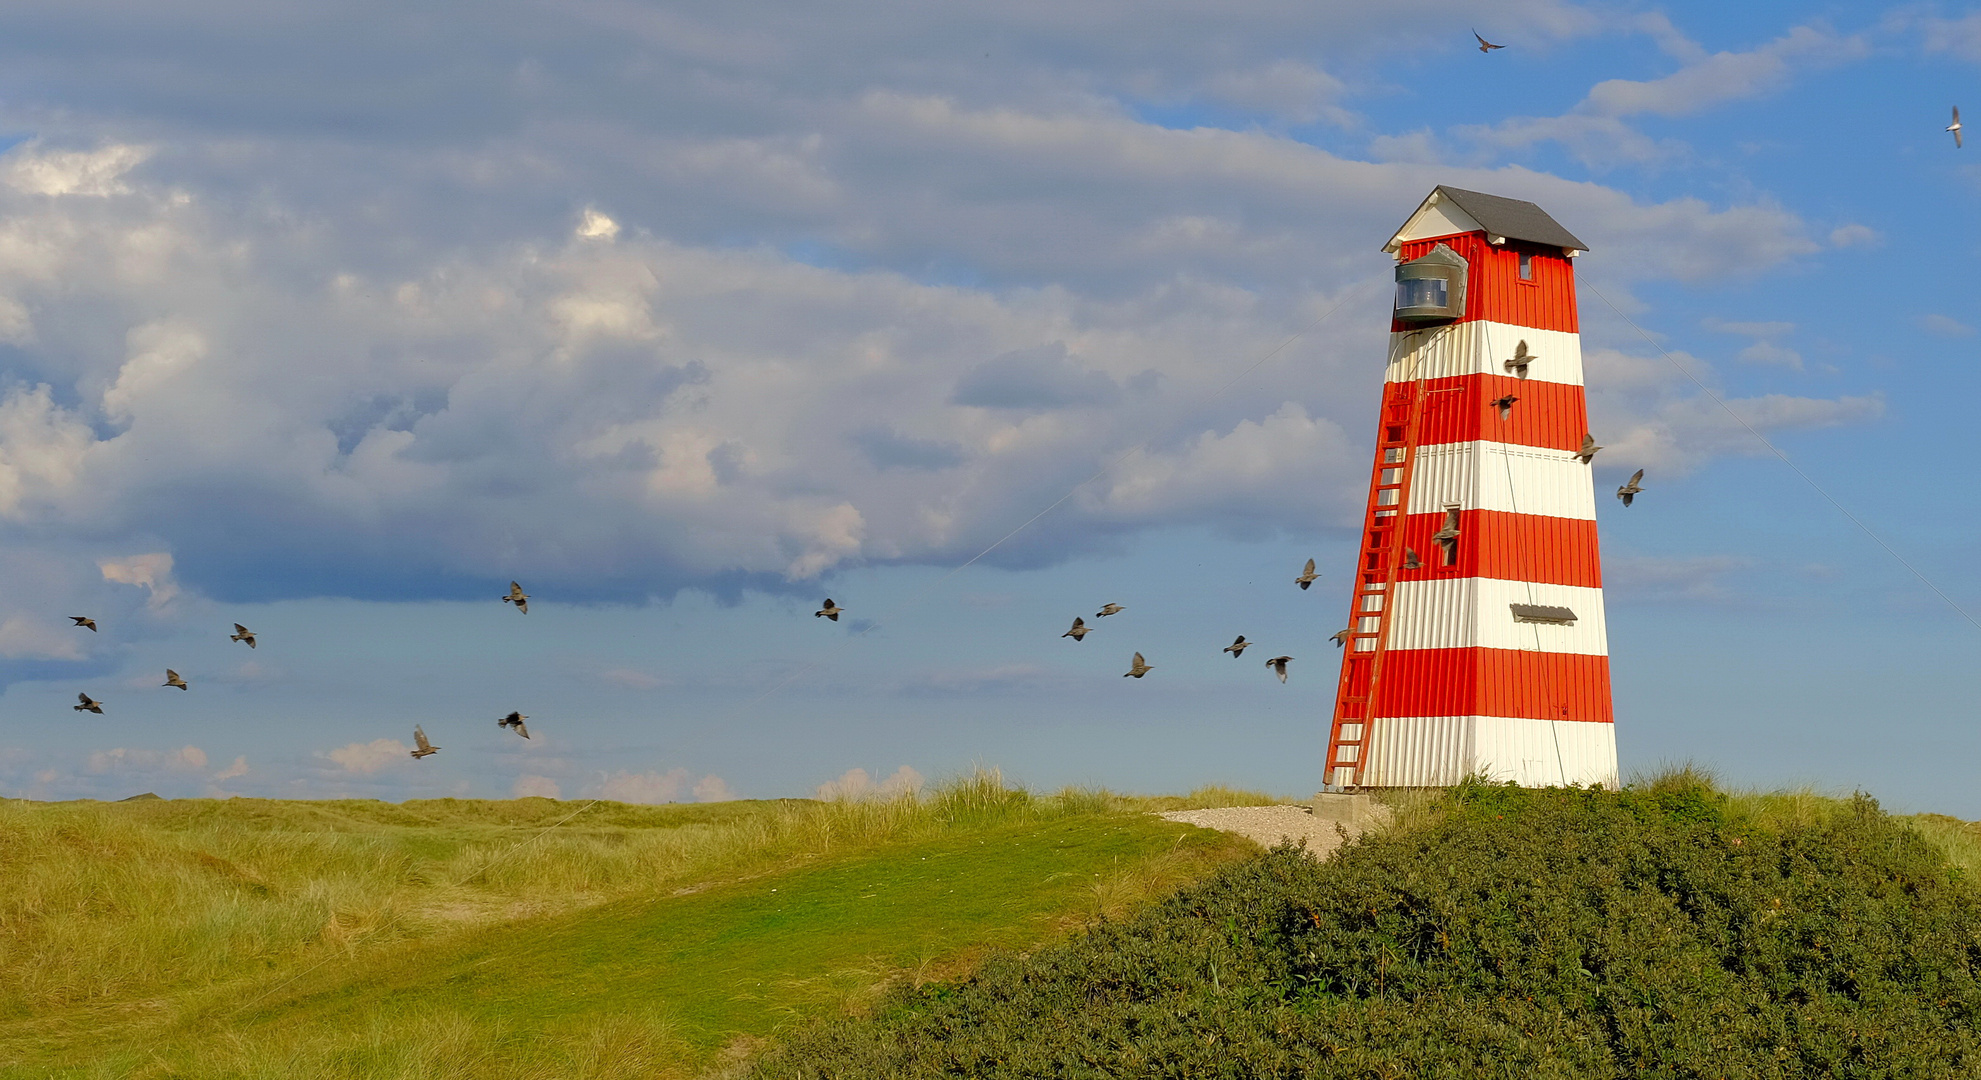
(1661, 931)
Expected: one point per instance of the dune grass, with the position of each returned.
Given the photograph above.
(458, 937)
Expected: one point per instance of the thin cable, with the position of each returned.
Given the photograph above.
(1806, 478)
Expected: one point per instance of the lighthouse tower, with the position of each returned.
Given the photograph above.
(1477, 643)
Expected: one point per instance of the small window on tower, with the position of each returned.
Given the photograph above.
(1526, 267)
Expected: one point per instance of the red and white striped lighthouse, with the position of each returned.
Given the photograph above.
(1477, 641)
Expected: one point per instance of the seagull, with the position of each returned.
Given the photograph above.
(424, 747)
(1109, 610)
(1278, 664)
(1080, 629)
(84, 620)
(1504, 404)
(1484, 45)
(1340, 637)
(1447, 537)
(515, 720)
(1588, 452)
(1629, 491)
(1237, 648)
(242, 633)
(1137, 669)
(830, 610)
(1307, 577)
(1410, 559)
(1521, 358)
(172, 679)
(518, 597)
(89, 704)
(1955, 127)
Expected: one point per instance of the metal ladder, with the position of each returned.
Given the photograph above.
(1375, 581)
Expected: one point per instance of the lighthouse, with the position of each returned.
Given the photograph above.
(1476, 641)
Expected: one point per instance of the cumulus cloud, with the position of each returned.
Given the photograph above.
(1766, 349)
(661, 787)
(47, 171)
(368, 758)
(23, 638)
(1945, 326)
(529, 786)
(238, 768)
(151, 572)
(126, 760)
(856, 783)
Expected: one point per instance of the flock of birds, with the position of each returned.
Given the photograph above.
(422, 747)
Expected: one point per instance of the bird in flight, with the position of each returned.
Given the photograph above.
(1504, 404)
(84, 620)
(830, 610)
(172, 679)
(518, 597)
(88, 704)
(1340, 637)
(1137, 669)
(1410, 559)
(1629, 490)
(1108, 610)
(242, 633)
(1447, 537)
(1307, 576)
(1484, 45)
(1278, 664)
(1521, 358)
(422, 747)
(515, 720)
(1588, 452)
(1080, 629)
(1955, 127)
(1237, 648)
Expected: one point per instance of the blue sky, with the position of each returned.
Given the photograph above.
(332, 322)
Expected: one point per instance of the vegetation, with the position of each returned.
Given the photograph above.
(1668, 930)
(468, 938)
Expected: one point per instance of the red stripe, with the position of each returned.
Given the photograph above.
(1512, 547)
(1461, 409)
(1493, 289)
(1495, 682)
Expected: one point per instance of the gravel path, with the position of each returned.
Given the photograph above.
(1266, 824)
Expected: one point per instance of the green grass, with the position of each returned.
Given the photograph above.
(265, 938)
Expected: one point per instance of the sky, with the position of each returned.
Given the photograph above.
(334, 319)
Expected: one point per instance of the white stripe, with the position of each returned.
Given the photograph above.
(1482, 348)
(1439, 751)
(1469, 613)
(1474, 476)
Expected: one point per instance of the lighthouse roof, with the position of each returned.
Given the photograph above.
(1449, 210)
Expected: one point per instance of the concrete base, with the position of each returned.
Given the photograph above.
(1354, 811)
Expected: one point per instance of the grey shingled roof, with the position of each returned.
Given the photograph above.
(1515, 219)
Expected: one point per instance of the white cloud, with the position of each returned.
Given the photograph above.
(713, 789)
(1945, 326)
(42, 447)
(368, 758)
(22, 638)
(856, 783)
(238, 768)
(1849, 236)
(151, 571)
(596, 226)
(529, 786)
(1665, 577)
(39, 171)
(632, 679)
(657, 787)
(125, 760)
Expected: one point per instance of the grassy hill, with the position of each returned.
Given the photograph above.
(460, 938)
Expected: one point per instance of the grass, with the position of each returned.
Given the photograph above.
(450, 937)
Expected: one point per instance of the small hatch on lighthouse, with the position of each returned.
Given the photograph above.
(1431, 289)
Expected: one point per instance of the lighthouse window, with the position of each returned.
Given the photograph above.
(1526, 267)
(1423, 293)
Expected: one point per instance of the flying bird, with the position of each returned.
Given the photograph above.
(1629, 491)
(1447, 537)
(84, 620)
(518, 597)
(1237, 648)
(1080, 629)
(515, 720)
(172, 679)
(1588, 452)
(1278, 664)
(1410, 559)
(1341, 637)
(1108, 610)
(1955, 127)
(242, 633)
(1504, 404)
(422, 747)
(89, 704)
(1521, 358)
(830, 610)
(1484, 45)
(1137, 669)
(1306, 577)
